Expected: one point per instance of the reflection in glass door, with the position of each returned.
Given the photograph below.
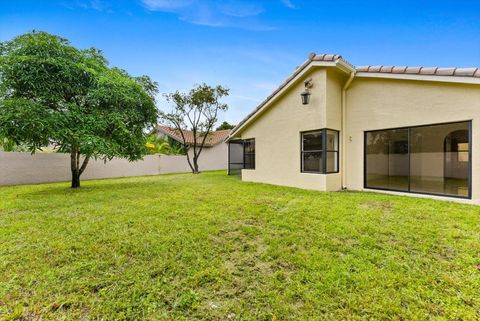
(433, 159)
(387, 159)
(439, 161)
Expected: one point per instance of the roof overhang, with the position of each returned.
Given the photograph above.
(449, 79)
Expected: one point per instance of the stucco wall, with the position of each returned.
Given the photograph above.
(277, 132)
(389, 103)
(335, 82)
(213, 158)
(277, 136)
(24, 168)
(333, 114)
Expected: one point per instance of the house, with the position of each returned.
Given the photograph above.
(333, 126)
(214, 153)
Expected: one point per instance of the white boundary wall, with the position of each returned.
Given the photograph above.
(24, 168)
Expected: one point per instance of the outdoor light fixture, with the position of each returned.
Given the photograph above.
(306, 93)
(305, 97)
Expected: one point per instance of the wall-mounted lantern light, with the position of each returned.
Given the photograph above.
(306, 93)
(305, 97)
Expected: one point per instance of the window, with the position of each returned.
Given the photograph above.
(331, 151)
(249, 153)
(433, 159)
(319, 152)
(235, 157)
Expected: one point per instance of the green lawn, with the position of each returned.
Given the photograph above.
(210, 247)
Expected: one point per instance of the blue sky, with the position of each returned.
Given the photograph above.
(252, 46)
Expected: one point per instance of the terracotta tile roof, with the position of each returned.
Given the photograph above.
(428, 71)
(213, 138)
(327, 57)
(422, 71)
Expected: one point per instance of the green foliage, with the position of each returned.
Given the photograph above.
(166, 146)
(7, 145)
(225, 125)
(210, 247)
(51, 92)
(196, 111)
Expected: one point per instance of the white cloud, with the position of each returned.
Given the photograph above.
(241, 9)
(98, 5)
(166, 5)
(288, 4)
(213, 13)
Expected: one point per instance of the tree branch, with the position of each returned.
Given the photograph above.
(84, 165)
(178, 127)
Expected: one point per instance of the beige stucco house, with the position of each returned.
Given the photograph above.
(333, 126)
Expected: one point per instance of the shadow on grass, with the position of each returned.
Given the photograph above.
(99, 186)
(107, 185)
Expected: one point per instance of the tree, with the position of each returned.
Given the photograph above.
(225, 125)
(7, 145)
(53, 93)
(196, 111)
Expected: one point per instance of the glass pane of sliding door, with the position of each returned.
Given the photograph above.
(387, 159)
(433, 159)
(439, 159)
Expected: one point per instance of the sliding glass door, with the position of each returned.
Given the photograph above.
(387, 159)
(433, 159)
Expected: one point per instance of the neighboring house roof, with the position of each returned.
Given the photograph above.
(335, 60)
(213, 138)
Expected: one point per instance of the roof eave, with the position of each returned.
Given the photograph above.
(438, 78)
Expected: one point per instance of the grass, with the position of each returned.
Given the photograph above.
(210, 247)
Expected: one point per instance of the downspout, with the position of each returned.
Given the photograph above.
(344, 124)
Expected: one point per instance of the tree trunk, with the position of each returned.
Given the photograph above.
(75, 180)
(195, 165)
(190, 163)
(75, 167)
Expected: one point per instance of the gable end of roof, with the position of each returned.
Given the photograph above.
(327, 60)
(454, 75)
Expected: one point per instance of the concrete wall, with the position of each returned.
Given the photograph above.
(24, 168)
(213, 158)
(390, 103)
